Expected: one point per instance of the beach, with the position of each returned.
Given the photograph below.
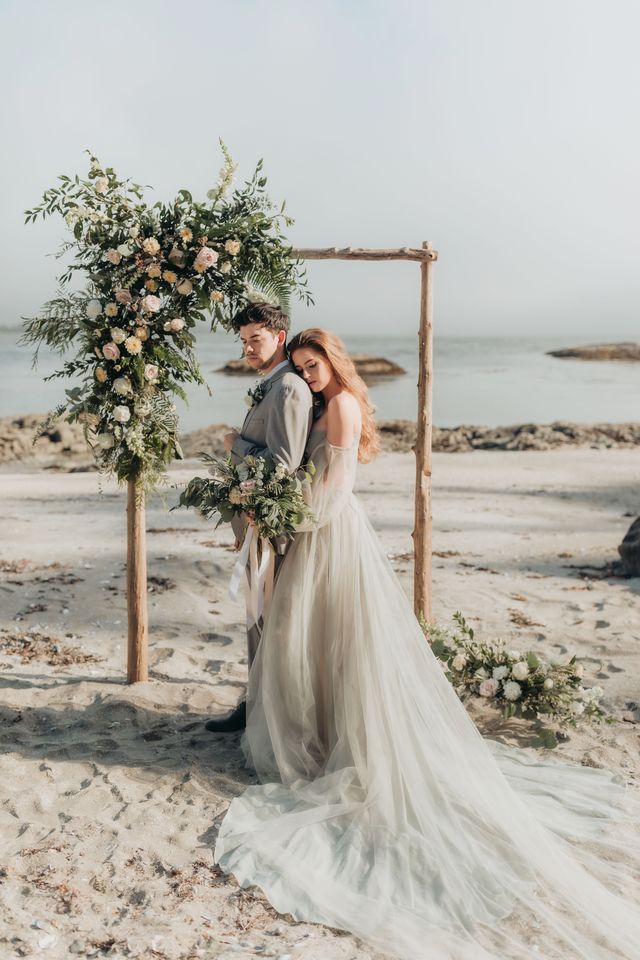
(112, 794)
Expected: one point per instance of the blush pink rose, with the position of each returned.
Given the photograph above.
(150, 303)
(123, 296)
(206, 258)
(110, 351)
(488, 688)
(177, 324)
(151, 371)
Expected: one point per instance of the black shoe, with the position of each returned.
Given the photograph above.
(237, 720)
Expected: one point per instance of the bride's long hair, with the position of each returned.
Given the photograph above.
(334, 351)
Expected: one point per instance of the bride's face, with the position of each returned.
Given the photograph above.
(313, 367)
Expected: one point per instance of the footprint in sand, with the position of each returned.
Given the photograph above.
(217, 638)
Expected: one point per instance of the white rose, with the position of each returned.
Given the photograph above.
(514, 654)
(101, 185)
(185, 287)
(124, 249)
(121, 414)
(576, 708)
(499, 673)
(122, 386)
(118, 335)
(512, 690)
(94, 309)
(177, 324)
(520, 670)
(225, 266)
(548, 684)
(459, 662)
(105, 441)
(133, 232)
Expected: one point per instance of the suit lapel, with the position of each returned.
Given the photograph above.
(267, 387)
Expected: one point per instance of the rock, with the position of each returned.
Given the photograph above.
(63, 447)
(629, 550)
(61, 441)
(600, 351)
(369, 368)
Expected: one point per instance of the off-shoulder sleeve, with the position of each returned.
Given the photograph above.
(331, 487)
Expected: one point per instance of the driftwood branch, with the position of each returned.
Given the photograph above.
(360, 253)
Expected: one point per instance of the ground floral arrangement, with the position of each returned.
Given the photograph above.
(520, 683)
(151, 274)
(260, 488)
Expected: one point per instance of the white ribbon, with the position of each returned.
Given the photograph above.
(258, 576)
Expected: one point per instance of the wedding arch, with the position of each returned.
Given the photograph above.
(422, 528)
(152, 274)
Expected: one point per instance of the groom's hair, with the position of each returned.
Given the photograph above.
(263, 313)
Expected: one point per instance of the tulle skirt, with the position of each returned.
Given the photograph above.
(383, 811)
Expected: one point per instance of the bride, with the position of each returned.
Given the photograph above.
(381, 809)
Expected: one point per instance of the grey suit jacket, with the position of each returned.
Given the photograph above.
(277, 428)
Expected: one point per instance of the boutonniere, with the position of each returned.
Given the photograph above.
(256, 394)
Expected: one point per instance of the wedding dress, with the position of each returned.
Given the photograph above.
(381, 809)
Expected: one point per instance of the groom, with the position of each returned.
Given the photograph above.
(276, 427)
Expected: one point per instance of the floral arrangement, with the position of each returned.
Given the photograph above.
(519, 682)
(260, 488)
(152, 274)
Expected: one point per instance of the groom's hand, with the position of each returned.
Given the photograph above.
(229, 440)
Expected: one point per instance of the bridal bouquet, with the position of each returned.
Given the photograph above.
(263, 490)
(521, 683)
(151, 274)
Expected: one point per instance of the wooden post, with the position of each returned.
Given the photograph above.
(422, 526)
(138, 632)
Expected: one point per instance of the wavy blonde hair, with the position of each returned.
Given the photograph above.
(330, 346)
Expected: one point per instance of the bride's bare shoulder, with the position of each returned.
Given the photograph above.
(343, 418)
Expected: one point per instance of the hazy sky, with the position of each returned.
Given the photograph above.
(507, 132)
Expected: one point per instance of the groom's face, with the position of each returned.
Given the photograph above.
(261, 345)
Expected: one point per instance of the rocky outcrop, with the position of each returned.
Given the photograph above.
(629, 550)
(369, 368)
(63, 446)
(62, 441)
(600, 351)
(400, 435)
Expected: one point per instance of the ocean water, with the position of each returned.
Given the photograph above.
(482, 380)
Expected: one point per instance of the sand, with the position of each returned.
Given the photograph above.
(111, 794)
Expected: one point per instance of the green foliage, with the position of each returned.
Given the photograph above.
(152, 274)
(522, 684)
(260, 488)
